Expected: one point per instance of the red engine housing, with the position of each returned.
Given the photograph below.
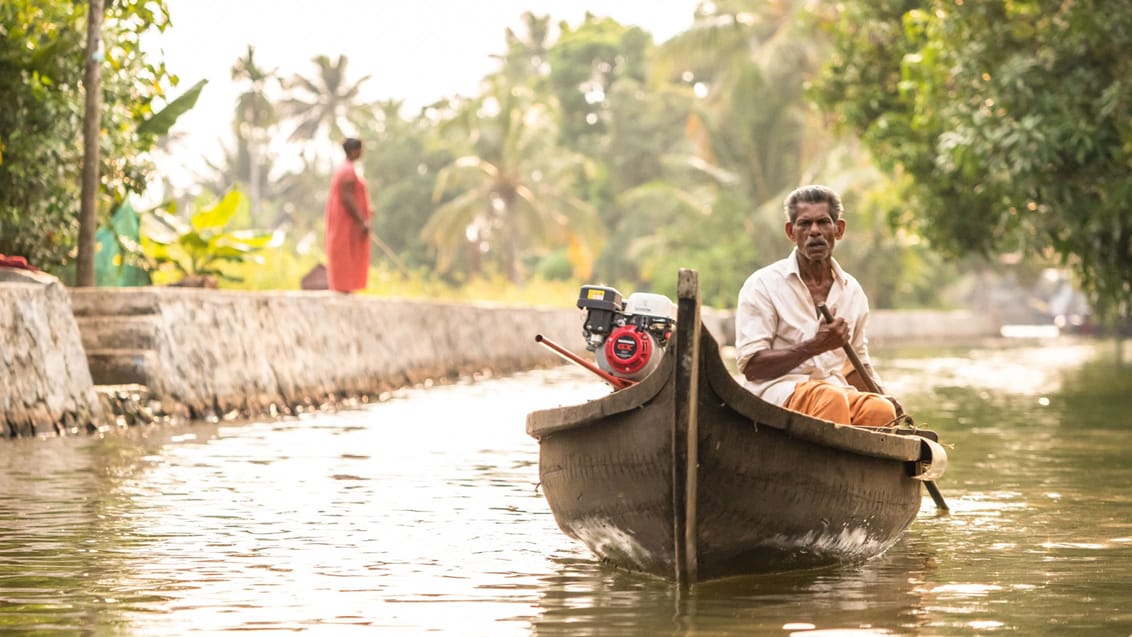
(628, 350)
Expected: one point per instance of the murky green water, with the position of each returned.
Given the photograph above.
(420, 515)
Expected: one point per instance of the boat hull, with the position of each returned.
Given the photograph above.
(706, 480)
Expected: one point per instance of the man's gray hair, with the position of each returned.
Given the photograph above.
(813, 194)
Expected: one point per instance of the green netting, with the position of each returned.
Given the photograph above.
(112, 267)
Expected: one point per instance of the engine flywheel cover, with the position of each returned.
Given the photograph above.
(628, 350)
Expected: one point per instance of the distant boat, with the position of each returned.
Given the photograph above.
(689, 476)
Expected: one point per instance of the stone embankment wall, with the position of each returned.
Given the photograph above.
(45, 384)
(189, 353)
(206, 353)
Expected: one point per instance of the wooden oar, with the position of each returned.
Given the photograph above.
(871, 385)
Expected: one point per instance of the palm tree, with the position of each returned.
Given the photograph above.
(527, 52)
(254, 118)
(513, 190)
(750, 60)
(325, 106)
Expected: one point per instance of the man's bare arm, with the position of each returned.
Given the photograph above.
(772, 363)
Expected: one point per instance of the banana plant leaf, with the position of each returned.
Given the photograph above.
(162, 121)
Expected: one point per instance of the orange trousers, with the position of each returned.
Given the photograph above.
(841, 404)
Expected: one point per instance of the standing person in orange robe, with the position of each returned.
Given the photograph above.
(348, 214)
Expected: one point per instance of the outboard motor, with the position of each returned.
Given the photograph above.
(627, 338)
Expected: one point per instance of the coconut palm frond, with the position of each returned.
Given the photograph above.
(446, 229)
(664, 196)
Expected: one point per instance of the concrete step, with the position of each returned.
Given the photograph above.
(121, 366)
(115, 301)
(118, 332)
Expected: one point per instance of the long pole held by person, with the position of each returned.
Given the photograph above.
(388, 252)
(871, 385)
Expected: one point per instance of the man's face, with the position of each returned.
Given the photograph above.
(814, 231)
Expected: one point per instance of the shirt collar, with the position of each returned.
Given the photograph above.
(838, 274)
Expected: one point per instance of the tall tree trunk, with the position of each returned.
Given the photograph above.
(511, 243)
(253, 176)
(92, 121)
(1118, 336)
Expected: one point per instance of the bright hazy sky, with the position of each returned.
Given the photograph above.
(416, 50)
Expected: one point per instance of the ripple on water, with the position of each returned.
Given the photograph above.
(421, 514)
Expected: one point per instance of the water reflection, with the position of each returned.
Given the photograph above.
(885, 596)
(421, 514)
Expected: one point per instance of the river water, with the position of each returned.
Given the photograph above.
(421, 514)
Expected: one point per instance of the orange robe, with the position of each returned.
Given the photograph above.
(347, 242)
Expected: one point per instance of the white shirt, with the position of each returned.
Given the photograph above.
(776, 311)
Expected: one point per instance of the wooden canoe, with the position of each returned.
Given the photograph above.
(688, 476)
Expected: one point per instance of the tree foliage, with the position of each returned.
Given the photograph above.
(586, 62)
(202, 246)
(1011, 118)
(327, 106)
(403, 156)
(755, 137)
(40, 119)
(512, 193)
(41, 64)
(595, 155)
(254, 122)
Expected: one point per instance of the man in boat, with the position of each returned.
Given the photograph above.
(787, 353)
